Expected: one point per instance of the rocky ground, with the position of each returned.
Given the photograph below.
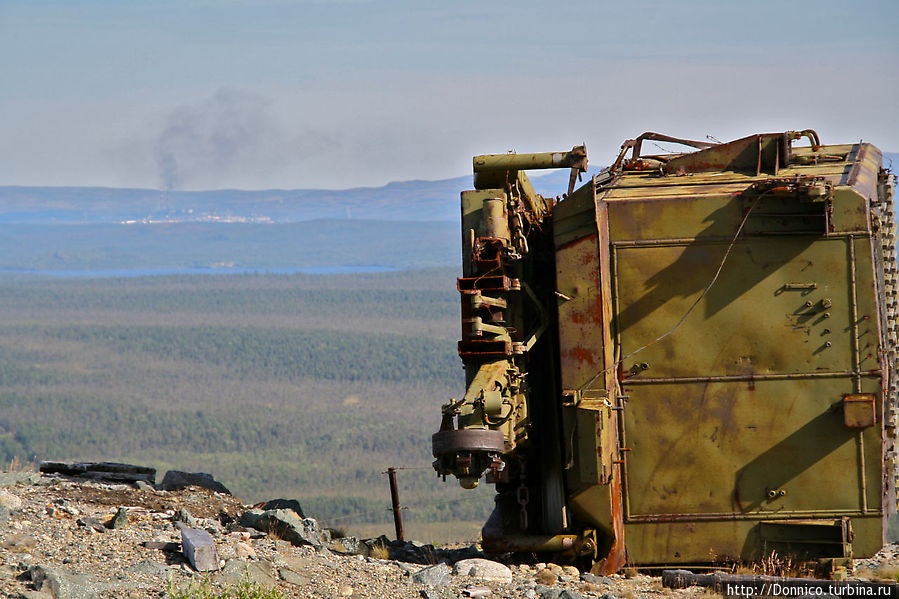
(66, 538)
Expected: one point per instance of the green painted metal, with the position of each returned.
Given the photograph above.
(715, 372)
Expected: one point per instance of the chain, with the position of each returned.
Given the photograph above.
(523, 496)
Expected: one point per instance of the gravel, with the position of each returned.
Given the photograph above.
(51, 547)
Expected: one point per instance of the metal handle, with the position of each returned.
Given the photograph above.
(799, 286)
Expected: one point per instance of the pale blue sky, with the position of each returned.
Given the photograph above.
(280, 93)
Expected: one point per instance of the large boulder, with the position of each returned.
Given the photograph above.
(10, 501)
(484, 569)
(436, 576)
(282, 504)
(287, 525)
(175, 480)
(238, 570)
(350, 546)
(63, 585)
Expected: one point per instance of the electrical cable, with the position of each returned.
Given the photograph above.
(692, 306)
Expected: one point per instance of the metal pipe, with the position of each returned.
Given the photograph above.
(853, 314)
(863, 488)
(615, 303)
(737, 185)
(496, 219)
(536, 543)
(812, 136)
(576, 158)
(791, 515)
(735, 378)
(856, 365)
(720, 239)
(621, 417)
(395, 500)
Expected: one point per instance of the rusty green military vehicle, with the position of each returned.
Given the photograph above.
(689, 359)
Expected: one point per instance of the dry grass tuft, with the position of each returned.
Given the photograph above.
(380, 552)
(888, 571)
(772, 565)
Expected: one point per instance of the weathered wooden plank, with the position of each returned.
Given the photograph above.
(108, 471)
(199, 549)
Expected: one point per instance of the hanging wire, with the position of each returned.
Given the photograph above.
(666, 150)
(692, 306)
(704, 291)
(429, 467)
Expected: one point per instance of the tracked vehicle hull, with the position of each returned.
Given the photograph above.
(688, 359)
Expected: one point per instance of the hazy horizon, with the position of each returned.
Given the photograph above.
(287, 94)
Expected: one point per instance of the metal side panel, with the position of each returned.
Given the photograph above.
(780, 305)
(588, 374)
(580, 312)
(723, 540)
(706, 451)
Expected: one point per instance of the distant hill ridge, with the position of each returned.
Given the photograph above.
(398, 201)
(416, 200)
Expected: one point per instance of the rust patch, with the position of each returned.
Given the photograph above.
(581, 349)
(615, 559)
(581, 355)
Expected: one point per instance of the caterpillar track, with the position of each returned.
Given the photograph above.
(884, 226)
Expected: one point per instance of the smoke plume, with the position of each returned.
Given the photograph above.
(228, 135)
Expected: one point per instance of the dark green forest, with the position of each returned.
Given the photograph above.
(305, 386)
